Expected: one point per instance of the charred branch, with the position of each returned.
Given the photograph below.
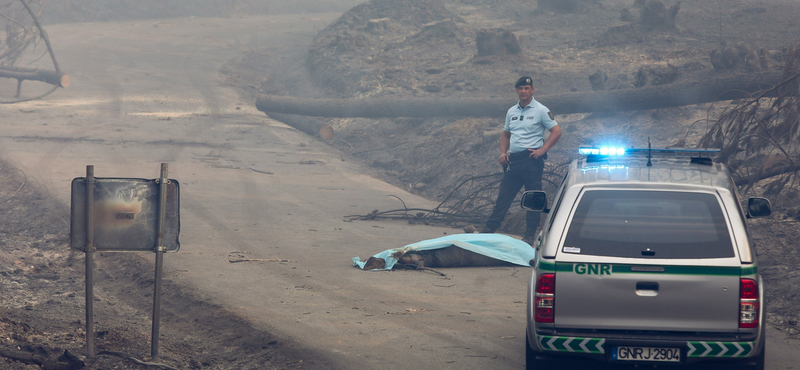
(42, 34)
(137, 361)
(759, 135)
(651, 97)
(19, 35)
(42, 357)
(782, 168)
(55, 78)
(467, 203)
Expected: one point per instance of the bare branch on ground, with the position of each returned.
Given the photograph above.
(20, 34)
(759, 136)
(468, 202)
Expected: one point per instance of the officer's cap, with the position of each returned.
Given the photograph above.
(524, 81)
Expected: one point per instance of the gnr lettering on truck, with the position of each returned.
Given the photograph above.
(592, 269)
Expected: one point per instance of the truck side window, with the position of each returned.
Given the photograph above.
(557, 203)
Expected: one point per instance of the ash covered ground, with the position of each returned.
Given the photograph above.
(385, 49)
(425, 48)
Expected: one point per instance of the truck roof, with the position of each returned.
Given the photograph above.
(666, 166)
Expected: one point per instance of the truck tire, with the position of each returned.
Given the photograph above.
(531, 363)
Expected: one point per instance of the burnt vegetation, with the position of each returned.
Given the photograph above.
(436, 49)
(759, 137)
(452, 49)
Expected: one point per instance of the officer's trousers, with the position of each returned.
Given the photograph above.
(522, 171)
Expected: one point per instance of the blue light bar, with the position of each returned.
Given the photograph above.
(606, 151)
(609, 152)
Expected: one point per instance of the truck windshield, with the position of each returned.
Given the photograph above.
(649, 224)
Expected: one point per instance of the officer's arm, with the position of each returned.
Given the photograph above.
(555, 134)
(505, 143)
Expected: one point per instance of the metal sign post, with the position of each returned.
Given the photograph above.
(89, 262)
(159, 249)
(124, 215)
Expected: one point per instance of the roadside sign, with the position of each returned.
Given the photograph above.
(126, 213)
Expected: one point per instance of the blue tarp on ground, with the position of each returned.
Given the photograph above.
(497, 246)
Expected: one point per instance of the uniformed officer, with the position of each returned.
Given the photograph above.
(523, 150)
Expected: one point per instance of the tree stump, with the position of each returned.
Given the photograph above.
(740, 55)
(651, 14)
(662, 75)
(378, 25)
(497, 41)
(600, 80)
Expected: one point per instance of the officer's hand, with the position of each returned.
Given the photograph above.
(536, 153)
(503, 160)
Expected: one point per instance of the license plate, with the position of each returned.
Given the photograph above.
(656, 354)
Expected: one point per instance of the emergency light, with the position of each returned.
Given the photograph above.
(695, 155)
(601, 151)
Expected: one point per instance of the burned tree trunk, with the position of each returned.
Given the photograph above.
(55, 78)
(652, 97)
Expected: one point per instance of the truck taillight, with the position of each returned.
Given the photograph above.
(545, 298)
(748, 303)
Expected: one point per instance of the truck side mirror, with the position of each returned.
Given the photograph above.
(758, 207)
(534, 200)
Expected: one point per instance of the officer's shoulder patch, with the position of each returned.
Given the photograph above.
(550, 115)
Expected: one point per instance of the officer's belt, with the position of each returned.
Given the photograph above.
(519, 155)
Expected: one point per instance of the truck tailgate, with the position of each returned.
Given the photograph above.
(629, 297)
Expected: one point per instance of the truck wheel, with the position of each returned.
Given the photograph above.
(759, 365)
(530, 356)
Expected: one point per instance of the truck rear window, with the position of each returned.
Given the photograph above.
(649, 224)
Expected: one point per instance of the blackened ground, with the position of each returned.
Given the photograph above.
(43, 309)
(42, 281)
(427, 48)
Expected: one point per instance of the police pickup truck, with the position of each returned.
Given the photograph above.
(645, 258)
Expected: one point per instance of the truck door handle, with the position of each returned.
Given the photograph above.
(647, 286)
(646, 289)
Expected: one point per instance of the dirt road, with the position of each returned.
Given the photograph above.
(148, 92)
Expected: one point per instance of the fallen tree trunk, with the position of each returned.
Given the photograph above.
(46, 360)
(59, 79)
(652, 97)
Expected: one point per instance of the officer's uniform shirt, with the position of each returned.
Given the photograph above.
(527, 125)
